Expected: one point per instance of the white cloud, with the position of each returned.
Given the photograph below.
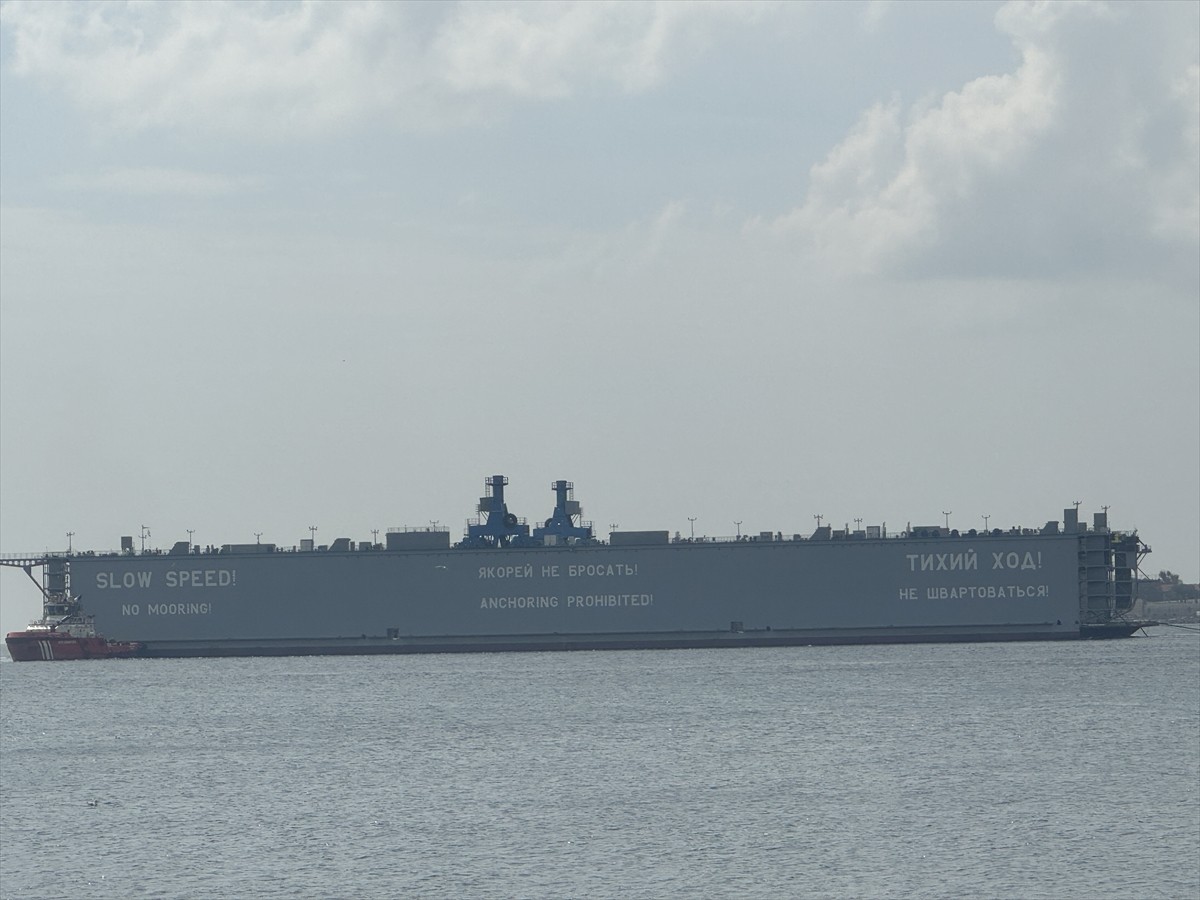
(873, 14)
(1080, 157)
(257, 68)
(273, 70)
(549, 49)
(1177, 189)
(877, 196)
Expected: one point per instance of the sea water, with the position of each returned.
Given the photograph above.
(1026, 770)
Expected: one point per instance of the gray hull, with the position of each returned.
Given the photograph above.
(1025, 586)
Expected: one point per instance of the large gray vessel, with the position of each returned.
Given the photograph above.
(506, 586)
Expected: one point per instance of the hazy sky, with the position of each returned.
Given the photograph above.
(271, 265)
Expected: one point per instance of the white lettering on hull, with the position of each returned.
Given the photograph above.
(518, 602)
(202, 578)
(592, 600)
(186, 578)
(123, 580)
(942, 562)
(969, 561)
(585, 601)
(978, 592)
(167, 609)
(178, 609)
(580, 570)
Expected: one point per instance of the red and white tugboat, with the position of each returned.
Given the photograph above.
(73, 637)
(63, 631)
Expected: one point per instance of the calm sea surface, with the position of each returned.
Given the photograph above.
(971, 770)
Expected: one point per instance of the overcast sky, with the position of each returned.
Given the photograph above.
(265, 266)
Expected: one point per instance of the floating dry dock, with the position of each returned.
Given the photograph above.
(506, 586)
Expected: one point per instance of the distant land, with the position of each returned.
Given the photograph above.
(1168, 599)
